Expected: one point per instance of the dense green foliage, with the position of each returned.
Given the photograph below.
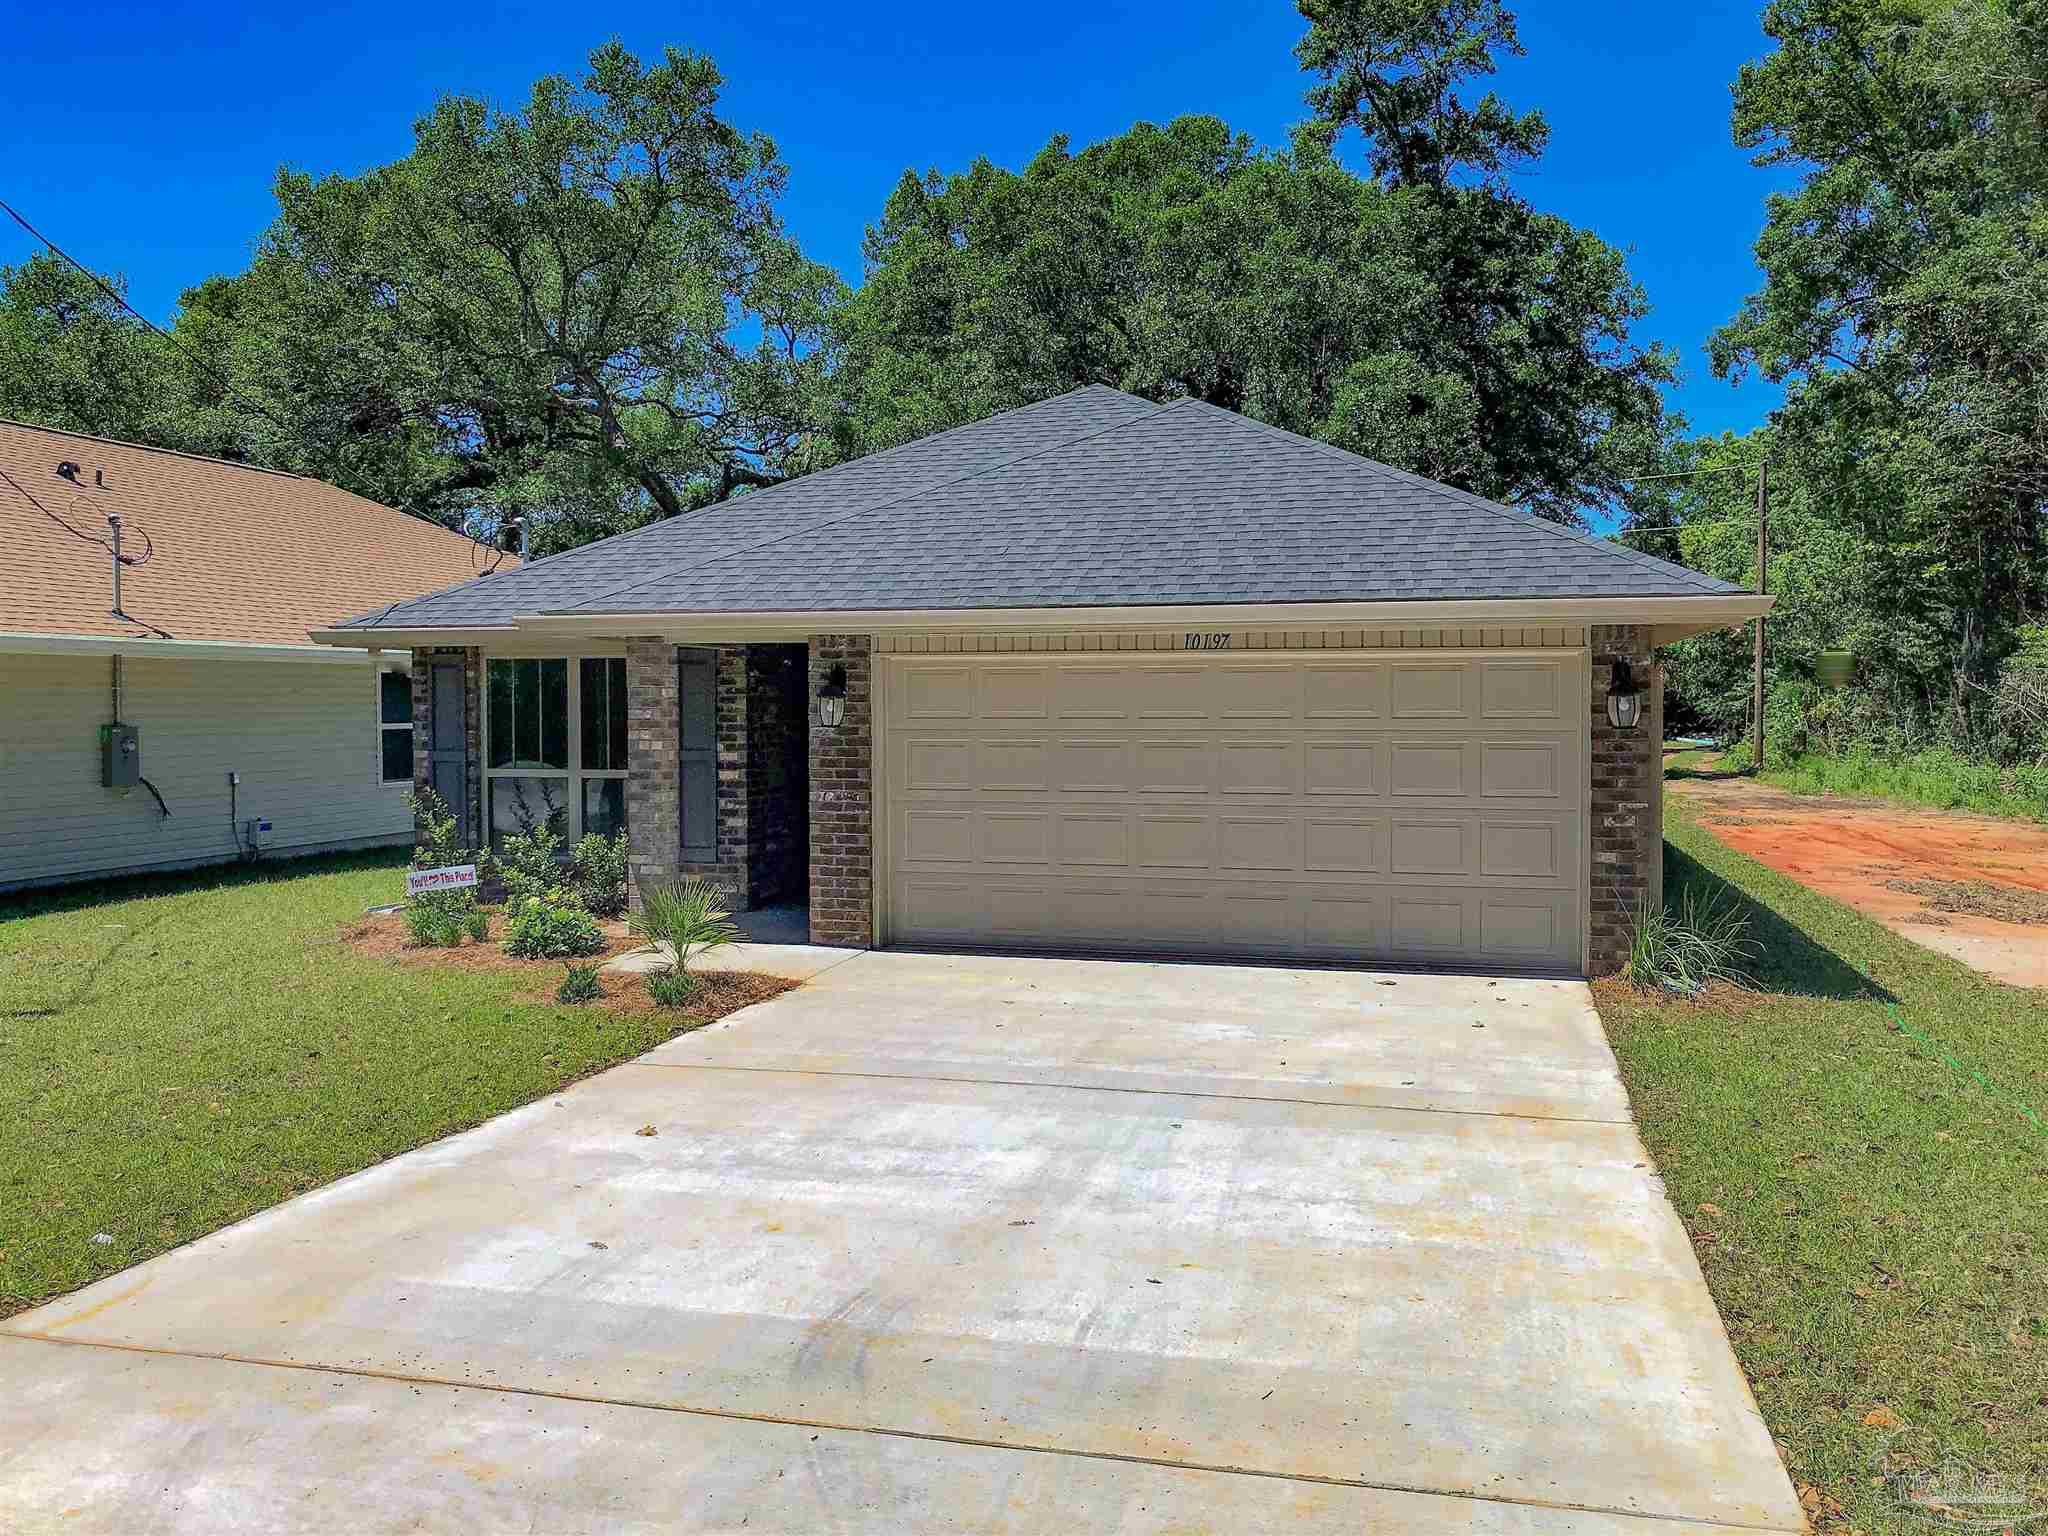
(1425, 315)
(1905, 282)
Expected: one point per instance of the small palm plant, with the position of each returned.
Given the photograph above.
(691, 917)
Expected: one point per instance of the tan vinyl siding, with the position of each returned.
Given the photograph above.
(303, 736)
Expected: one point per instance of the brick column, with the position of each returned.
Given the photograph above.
(842, 798)
(1627, 839)
(423, 659)
(654, 820)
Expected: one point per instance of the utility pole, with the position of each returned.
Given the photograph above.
(1763, 585)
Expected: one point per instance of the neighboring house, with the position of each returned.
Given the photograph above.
(208, 661)
(1092, 675)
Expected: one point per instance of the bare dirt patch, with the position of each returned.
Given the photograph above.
(1971, 887)
(718, 992)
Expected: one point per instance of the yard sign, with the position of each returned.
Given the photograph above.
(449, 877)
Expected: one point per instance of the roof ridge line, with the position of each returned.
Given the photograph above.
(766, 490)
(912, 495)
(181, 453)
(1515, 514)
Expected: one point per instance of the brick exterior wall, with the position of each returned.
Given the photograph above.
(778, 748)
(842, 797)
(654, 829)
(423, 659)
(1627, 827)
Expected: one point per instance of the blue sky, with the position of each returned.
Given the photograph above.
(144, 141)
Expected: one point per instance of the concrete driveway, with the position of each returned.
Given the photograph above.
(948, 1243)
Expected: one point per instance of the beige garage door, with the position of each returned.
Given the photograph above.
(1412, 807)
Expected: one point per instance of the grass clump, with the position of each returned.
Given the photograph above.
(579, 985)
(1686, 948)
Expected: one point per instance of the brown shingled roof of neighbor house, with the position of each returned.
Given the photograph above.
(242, 555)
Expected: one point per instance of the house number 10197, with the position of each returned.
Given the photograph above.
(1206, 640)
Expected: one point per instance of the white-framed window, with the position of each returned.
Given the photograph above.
(554, 745)
(394, 724)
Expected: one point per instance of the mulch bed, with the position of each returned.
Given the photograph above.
(718, 993)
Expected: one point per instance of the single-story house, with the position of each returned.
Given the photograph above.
(169, 708)
(1097, 674)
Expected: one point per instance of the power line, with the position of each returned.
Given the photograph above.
(1688, 474)
(1720, 522)
(221, 379)
(85, 538)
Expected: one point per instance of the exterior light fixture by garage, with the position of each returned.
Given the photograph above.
(1624, 697)
(832, 697)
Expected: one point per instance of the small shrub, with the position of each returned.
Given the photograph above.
(439, 919)
(671, 988)
(579, 985)
(479, 924)
(1705, 940)
(530, 863)
(551, 926)
(690, 917)
(598, 870)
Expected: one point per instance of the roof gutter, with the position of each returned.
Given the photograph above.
(1669, 617)
(20, 643)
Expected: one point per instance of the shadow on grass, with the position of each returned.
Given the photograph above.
(1676, 772)
(43, 900)
(1789, 960)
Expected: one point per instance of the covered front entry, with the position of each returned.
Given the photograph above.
(1419, 807)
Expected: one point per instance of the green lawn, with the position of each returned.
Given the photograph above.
(1872, 1221)
(181, 1052)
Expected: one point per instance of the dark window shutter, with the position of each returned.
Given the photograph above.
(697, 695)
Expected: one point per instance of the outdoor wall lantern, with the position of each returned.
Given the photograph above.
(1624, 696)
(832, 697)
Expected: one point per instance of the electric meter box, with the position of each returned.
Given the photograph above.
(120, 756)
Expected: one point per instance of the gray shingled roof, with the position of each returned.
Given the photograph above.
(1093, 498)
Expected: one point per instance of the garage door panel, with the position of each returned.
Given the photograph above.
(938, 836)
(939, 693)
(935, 763)
(1092, 766)
(1184, 766)
(1004, 763)
(1249, 767)
(1345, 921)
(1342, 766)
(1258, 842)
(1531, 770)
(1015, 693)
(1245, 693)
(1374, 808)
(1348, 846)
(1094, 693)
(1436, 768)
(1522, 849)
(1340, 692)
(1432, 924)
(1512, 927)
(1099, 838)
(1175, 842)
(1521, 690)
(1430, 691)
(1431, 845)
(1016, 837)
